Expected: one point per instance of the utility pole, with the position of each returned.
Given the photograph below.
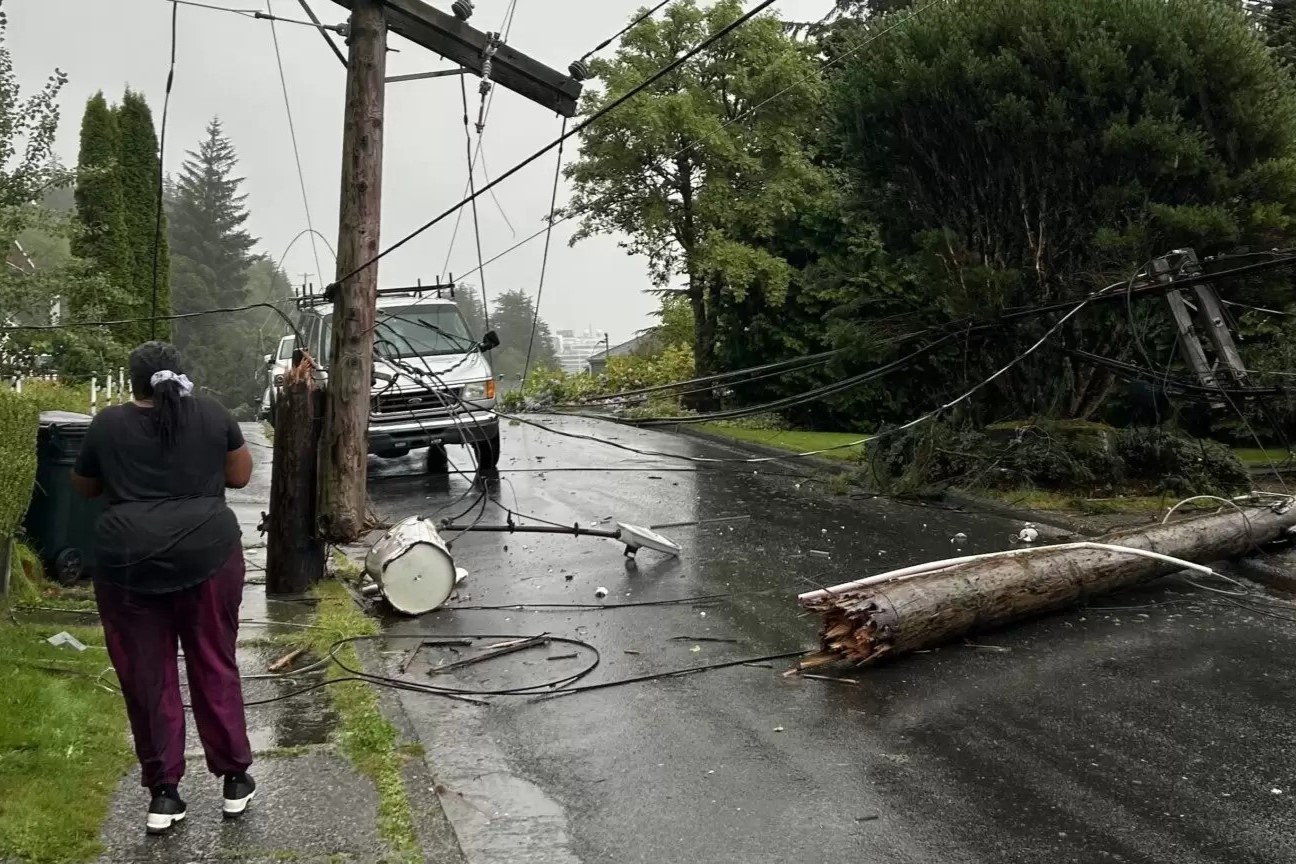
(341, 507)
(344, 449)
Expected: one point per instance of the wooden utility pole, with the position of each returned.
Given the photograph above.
(863, 622)
(350, 370)
(294, 554)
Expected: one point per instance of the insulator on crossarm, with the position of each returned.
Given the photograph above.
(462, 9)
(580, 70)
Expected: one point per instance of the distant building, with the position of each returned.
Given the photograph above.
(573, 350)
(598, 361)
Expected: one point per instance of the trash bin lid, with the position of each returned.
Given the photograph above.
(64, 418)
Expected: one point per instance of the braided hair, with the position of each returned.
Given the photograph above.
(145, 362)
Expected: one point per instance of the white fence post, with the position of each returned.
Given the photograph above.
(94, 394)
(121, 384)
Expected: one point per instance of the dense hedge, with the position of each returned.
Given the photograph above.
(19, 417)
(1067, 457)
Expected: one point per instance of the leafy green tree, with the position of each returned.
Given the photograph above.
(511, 319)
(1017, 152)
(100, 206)
(139, 169)
(700, 168)
(29, 174)
(210, 258)
(27, 128)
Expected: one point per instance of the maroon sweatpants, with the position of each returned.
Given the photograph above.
(141, 631)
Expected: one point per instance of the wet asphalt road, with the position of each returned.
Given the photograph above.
(1159, 733)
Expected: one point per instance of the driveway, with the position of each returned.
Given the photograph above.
(1158, 732)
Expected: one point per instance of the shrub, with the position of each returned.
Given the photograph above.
(1182, 466)
(19, 418)
(1057, 456)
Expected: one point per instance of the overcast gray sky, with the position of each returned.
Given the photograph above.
(226, 67)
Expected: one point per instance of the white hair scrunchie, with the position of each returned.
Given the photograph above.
(186, 386)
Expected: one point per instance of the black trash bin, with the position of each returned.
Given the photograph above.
(60, 522)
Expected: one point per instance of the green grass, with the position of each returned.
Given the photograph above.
(1254, 456)
(793, 441)
(366, 737)
(63, 745)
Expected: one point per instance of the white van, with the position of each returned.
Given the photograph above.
(445, 394)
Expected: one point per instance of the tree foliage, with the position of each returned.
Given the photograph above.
(210, 260)
(699, 169)
(1010, 153)
(511, 320)
(33, 295)
(140, 171)
(100, 206)
(27, 127)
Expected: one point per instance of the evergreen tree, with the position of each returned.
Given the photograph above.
(100, 206)
(139, 170)
(511, 318)
(210, 259)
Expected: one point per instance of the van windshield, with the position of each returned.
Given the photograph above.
(421, 331)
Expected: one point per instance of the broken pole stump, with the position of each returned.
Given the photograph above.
(294, 553)
(866, 622)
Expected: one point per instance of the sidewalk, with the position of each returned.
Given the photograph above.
(312, 805)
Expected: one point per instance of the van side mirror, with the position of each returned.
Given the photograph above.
(489, 341)
(268, 358)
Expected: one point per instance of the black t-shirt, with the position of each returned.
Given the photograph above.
(167, 526)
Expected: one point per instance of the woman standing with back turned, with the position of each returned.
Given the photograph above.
(169, 568)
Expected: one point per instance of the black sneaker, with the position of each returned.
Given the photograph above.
(239, 789)
(165, 811)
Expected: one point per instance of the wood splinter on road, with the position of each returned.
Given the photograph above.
(919, 608)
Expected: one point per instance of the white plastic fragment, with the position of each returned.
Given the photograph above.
(959, 539)
(66, 638)
(600, 592)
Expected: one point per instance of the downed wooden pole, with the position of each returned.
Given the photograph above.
(294, 553)
(921, 607)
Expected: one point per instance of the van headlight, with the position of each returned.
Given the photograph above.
(279, 381)
(480, 390)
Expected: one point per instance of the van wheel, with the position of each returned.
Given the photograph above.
(437, 461)
(488, 453)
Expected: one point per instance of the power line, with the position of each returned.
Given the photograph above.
(472, 186)
(506, 28)
(161, 180)
(624, 30)
(323, 31)
(292, 134)
(580, 127)
(544, 262)
(572, 214)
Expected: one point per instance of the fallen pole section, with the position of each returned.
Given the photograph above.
(924, 606)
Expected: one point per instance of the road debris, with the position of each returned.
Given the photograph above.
(287, 660)
(491, 653)
(816, 553)
(60, 639)
(702, 639)
(600, 592)
(921, 607)
(563, 657)
(833, 678)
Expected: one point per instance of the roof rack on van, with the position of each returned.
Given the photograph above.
(419, 290)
